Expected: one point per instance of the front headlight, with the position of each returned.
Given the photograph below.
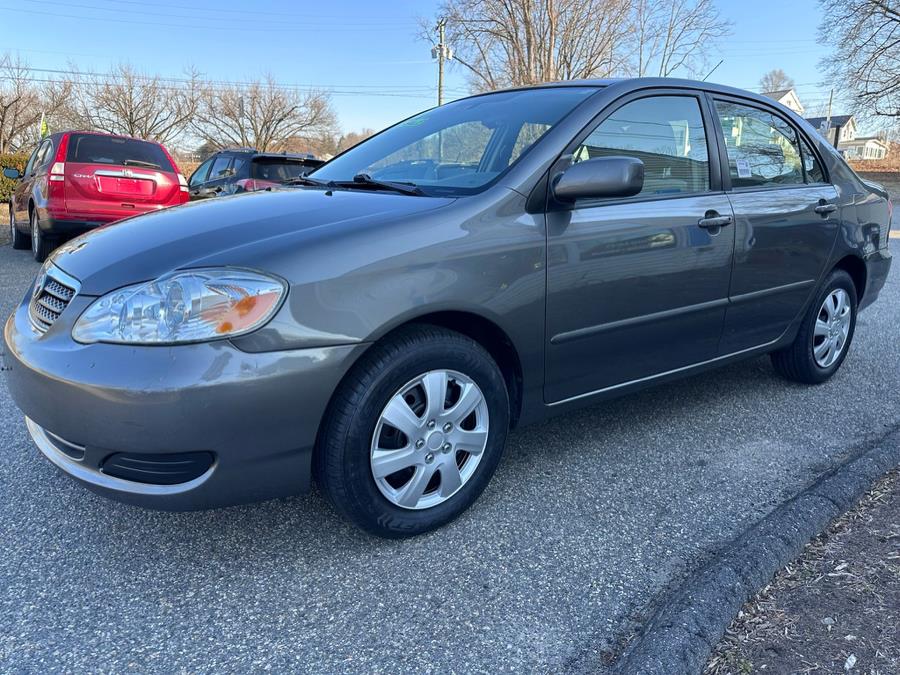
(187, 306)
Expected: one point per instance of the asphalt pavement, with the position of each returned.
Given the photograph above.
(590, 517)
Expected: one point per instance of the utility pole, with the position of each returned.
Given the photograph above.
(440, 52)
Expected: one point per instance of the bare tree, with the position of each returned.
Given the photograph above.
(23, 98)
(672, 36)
(519, 42)
(352, 138)
(516, 42)
(262, 114)
(775, 80)
(866, 60)
(125, 101)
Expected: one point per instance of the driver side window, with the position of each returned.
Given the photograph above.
(199, 176)
(666, 133)
(30, 166)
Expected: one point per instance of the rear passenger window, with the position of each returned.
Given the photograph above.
(814, 172)
(219, 167)
(762, 148)
(666, 133)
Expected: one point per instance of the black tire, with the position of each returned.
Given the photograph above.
(41, 244)
(18, 240)
(797, 362)
(342, 459)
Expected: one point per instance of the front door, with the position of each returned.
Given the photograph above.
(786, 221)
(638, 287)
(22, 190)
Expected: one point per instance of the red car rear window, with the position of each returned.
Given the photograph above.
(93, 149)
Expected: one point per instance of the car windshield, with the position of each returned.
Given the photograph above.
(461, 147)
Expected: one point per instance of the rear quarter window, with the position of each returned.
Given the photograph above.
(93, 149)
(277, 169)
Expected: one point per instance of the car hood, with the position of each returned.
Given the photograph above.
(235, 230)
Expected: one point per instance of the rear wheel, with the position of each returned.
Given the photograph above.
(824, 337)
(41, 244)
(414, 433)
(17, 239)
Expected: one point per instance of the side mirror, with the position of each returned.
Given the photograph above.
(13, 174)
(600, 178)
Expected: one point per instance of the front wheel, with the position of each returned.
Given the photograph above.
(414, 433)
(825, 335)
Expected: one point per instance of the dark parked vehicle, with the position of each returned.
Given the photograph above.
(245, 170)
(482, 265)
(78, 180)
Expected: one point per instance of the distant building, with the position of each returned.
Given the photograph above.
(865, 147)
(787, 98)
(844, 125)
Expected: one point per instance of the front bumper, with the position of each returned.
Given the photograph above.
(258, 414)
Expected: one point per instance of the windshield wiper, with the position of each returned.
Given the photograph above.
(306, 180)
(359, 180)
(137, 162)
(367, 180)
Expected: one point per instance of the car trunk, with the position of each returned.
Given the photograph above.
(110, 178)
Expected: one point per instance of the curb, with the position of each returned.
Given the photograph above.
(687, 624)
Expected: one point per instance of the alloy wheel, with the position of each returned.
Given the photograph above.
(429, 439)
(832, 328)
(35, 233)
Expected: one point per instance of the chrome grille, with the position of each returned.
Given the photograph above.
(53, 291)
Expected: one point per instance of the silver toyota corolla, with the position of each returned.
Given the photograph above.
(380, 325)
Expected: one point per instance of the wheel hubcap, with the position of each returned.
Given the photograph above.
(832, 328)
(34, 233)
(429, 439)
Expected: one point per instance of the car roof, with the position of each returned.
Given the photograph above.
(86, 132)
(634, 83)
(291, 156)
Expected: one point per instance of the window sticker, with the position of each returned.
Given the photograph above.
(743, 168)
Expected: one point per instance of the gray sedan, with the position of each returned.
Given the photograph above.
(380, 325)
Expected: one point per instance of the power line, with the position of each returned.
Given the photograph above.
(342, 22)
(237, 28)
(396, 88)
(216, 8)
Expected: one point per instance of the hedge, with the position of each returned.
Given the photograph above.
(14, 160)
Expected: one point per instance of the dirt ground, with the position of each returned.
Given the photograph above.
(835, 609)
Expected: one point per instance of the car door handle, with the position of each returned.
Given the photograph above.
(825, 209)
(713, 219)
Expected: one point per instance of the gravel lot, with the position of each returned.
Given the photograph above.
(589, 519)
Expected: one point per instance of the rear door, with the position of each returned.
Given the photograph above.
(638, 286)
(786, 220)
(109, 177)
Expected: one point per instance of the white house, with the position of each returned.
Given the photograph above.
(845, 125)
(787, 98)
(864, 147)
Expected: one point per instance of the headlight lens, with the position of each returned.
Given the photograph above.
(189, 306)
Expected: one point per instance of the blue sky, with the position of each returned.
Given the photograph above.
(366, 52)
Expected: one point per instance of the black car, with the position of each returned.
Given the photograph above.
(245, 170)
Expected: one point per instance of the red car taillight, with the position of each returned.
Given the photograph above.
(254, 184)
(57, 174)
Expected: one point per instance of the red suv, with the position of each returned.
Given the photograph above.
(78, 180)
